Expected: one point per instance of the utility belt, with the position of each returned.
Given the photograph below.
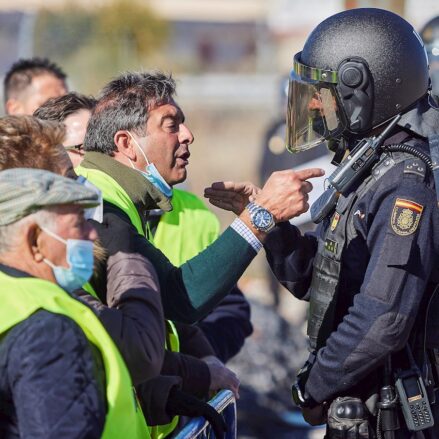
(404, 402)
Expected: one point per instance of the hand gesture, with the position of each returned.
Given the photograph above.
(232, 196)
(285, 194)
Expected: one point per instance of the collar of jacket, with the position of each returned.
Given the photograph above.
(13, 272)
(423, 119)
(144, 195)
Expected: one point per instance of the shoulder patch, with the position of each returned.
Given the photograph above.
(405, 216)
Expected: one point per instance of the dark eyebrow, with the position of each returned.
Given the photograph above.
(178, 115)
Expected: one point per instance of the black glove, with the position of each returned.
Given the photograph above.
(348, 418)
(181, 403)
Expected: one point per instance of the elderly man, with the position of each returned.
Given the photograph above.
(60, 373)
(31, 82)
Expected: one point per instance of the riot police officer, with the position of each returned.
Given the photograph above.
(370, 269)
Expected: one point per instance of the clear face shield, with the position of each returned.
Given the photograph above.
(313, 114)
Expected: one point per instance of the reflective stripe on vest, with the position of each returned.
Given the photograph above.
(187, 229)
(115, 194)
(327, 262)
(21, 297)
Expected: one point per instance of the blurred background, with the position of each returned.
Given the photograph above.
(230, 58)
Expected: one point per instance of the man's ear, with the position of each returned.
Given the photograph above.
(33, 234)
(125, 144)
(13, 107)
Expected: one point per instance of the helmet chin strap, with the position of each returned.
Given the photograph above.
(339, 147)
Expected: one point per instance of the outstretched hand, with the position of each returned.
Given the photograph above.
(285, 194)
(232, 196)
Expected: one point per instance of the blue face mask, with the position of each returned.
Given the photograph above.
(152, 174)
(79, 256)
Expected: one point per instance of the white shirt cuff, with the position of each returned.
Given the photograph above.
(241, 228)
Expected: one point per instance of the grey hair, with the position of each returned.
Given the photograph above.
(124, 104)
(10, 234)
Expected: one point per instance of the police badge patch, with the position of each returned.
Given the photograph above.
(405, 216)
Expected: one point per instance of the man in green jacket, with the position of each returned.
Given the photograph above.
(137, 110)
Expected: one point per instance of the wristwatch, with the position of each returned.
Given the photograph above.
(260, 218)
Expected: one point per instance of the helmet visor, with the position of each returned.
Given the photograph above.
(313, 111)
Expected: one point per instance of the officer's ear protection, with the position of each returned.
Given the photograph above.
(355, 89)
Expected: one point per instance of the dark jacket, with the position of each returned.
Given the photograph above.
(188, 292)
(386, 276)
(132, 311)
(52, 383)
(134, 318)
(228, 325)
(187, 364)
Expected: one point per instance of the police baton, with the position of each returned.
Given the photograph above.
(388, 421)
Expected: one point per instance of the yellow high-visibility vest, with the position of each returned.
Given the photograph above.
(21, 297)
(187, 229)
(114, 193)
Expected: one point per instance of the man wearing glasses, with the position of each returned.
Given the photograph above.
(74, 110)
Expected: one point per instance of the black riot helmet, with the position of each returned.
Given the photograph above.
(430, 36)
(357, 69)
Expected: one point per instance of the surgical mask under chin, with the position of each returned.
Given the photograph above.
(79, 256)
(152, 174)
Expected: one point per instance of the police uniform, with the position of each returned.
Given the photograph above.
(388, 250)
(370, 269)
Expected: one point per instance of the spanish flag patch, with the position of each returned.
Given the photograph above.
(405, 216)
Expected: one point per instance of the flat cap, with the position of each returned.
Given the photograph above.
(24, 191)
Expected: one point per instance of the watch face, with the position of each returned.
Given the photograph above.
(262, 218)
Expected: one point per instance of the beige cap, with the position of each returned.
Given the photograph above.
(24, 191)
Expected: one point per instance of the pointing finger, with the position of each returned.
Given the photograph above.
(304, 174)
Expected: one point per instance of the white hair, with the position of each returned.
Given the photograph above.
(10, 235)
